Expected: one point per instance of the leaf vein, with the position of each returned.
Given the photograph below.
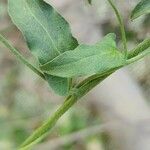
(43, 28)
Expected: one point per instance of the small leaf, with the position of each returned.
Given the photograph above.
(143, 7)
(46, 32)
(86, 60)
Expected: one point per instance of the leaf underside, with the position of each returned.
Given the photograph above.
(46, 32)
(87, 60)
(143, 7)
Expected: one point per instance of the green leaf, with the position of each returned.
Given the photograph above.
(143, 7)
(46, 32)
(87, 60)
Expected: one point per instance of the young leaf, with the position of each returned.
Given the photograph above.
(86, 60)
(143, 7)
(46, 32)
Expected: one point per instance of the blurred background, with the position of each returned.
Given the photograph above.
(115, 115)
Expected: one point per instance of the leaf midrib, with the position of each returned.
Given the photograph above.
(82, 59)
(56, 49)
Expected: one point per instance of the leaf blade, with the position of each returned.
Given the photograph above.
(143, 7)
(46, 32)
(86, 60)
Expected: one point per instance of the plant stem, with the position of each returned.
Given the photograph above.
(79, 91)
(122, 28)
(91, 131)
(138, 57)
(140, 48)
(42, 131)
(20, 57)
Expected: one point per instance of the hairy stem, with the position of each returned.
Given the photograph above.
(20, 57)
(140, 48)
(122, 28)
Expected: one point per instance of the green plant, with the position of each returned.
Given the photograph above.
(62, 59)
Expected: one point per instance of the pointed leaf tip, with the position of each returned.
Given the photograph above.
(142, 8)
